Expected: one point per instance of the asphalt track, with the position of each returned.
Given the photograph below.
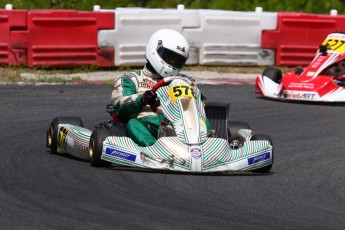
(39, 190)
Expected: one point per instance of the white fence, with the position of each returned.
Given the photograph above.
(216, 37)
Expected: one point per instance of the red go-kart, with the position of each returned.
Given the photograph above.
(322, 81)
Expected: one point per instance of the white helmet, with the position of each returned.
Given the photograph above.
(167, 51)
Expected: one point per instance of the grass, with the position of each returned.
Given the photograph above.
(11, 74)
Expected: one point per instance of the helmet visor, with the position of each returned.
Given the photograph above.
(171, 57)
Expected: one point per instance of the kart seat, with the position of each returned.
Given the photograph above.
(217, 114)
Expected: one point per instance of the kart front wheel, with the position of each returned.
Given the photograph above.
(274, 74)
(263, 137)
(97, 138)
(52, 132)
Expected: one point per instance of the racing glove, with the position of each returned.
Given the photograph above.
(149, 98)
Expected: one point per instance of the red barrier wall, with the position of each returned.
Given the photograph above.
(64, 38)
(11, 20)
(299, 35)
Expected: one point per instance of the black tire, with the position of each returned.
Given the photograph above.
(263, 137)
(52, 132)
(274, 74)
(234, 127)
(96, 147)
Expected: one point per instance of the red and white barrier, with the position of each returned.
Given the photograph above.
(116, 37)
(298, 36)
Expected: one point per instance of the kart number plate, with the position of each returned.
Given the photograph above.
(335, 44)
(178, 91)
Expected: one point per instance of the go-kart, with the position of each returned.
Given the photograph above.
(183, 143)
(321, 81)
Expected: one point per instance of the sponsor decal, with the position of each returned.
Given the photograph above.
(183, 49)
(120, 154)
(146, 83)
(318, 62)
(302, 96)
(195, 152)
(310, 74)
(301, 85)
(81, 147)
(259, 158)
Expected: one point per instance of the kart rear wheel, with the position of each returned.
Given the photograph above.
(263, 137)
(234, 127)
(98, 136)
(274, 74)
(52, 132)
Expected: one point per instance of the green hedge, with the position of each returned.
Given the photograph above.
(308, 6)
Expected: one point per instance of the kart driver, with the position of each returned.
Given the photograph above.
(166, 53)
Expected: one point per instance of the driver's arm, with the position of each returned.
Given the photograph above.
(125, 98)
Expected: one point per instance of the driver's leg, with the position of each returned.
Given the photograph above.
(138, 131)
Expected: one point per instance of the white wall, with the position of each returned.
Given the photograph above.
(216, 37)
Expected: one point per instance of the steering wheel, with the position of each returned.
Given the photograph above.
(164, 82)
